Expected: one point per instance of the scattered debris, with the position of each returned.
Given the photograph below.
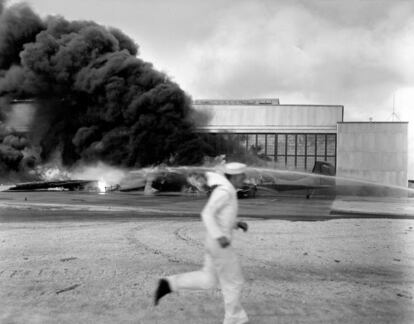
(405, 296)
(67, 289)
(68, 259)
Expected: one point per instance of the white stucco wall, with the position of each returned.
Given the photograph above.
(374, 151)
(271, 118)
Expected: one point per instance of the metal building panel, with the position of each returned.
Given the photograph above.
(265, 118)
(374, 151)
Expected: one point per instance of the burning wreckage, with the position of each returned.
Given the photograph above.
(189, 180)
(71, 185)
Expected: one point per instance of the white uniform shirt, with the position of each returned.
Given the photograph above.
(220, 213)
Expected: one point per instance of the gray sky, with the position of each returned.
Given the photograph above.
(356, 53)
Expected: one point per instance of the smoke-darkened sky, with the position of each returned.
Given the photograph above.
(356, 53)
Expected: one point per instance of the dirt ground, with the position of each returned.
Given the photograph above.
(105, 270)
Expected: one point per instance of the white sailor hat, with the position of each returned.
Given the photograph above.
(234, 168)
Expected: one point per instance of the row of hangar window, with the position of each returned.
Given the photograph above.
(287, 150)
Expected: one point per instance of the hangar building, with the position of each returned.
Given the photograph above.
(295, 136)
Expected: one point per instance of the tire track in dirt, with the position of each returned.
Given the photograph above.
(133, 238)
(181, 233)
(47, 273)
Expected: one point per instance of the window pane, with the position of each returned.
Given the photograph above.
(228, 143)
(320, 142)
(310, 162)
(241, 140)
(213, 141)
(310, 144)
(234, 139)
(290, 162)
(270, 144)
(291, 144)
(331, 160)
(300, 162)
(225, 148)
(252, 141)
(301, 144)
(331, 150)
(281, 144)
(280, 161)
(261, 143)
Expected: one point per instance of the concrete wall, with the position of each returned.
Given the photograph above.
(270, 118)
(374, 151)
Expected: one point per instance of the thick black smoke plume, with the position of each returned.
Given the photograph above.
(96, 100)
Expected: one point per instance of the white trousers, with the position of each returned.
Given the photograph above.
(220, 266)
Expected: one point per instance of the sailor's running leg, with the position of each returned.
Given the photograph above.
(203, 279)
(231, 282)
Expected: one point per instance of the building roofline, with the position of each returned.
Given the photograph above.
(313, 105)
(374, 122)
(230, 102)
(267, 105)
